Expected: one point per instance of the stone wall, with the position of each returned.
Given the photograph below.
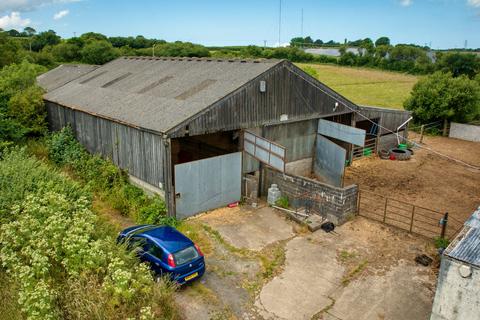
(335, 204)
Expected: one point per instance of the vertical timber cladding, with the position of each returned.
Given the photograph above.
(139, 152)
(287, 93)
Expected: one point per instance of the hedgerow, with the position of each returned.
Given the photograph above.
(62, 257)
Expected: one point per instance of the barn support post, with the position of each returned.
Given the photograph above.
(168, 178)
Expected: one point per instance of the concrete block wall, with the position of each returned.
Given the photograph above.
(465, 132)
(457, 297)
(335, 204)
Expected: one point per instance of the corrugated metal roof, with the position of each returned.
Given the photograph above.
(468, 248)
(156, 93)
(474, 220)
(63, 74)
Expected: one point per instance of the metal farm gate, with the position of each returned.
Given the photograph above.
(207, 184)
(404, 215)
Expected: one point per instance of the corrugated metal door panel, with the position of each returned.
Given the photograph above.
(329, 164)
(207, 184)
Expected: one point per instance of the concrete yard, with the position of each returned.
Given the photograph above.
(263, 266)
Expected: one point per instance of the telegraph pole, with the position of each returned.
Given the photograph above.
(302, 23)
(280, 23)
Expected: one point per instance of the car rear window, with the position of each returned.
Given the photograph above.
(186, 255)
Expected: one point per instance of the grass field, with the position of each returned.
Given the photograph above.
(367, 86)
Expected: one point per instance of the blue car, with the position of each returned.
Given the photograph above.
(166, 250)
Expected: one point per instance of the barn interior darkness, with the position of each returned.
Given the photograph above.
(193, 148)
(345, 119)
(370, 127)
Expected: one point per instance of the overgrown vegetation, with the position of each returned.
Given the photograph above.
(22, 111)
(61, 257)
(282, 202)
(441, 243)
(105, 179)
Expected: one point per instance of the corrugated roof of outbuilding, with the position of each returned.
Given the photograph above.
(63, 74)
(466, 246)
(156, 93)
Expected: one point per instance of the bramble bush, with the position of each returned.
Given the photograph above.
(105, 179)
(62, 258)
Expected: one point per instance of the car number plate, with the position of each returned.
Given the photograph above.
(190, 277)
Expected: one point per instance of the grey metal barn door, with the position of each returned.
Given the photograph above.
(207, 184)
(329, 165)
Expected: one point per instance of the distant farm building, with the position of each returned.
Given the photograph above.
(194, 130)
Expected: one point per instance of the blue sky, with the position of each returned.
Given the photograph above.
(443, 23)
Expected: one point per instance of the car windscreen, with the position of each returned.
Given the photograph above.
(186, 255)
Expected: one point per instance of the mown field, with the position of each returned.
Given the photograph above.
(367, 86)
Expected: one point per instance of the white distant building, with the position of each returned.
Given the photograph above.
(458, 289)
(332, 52)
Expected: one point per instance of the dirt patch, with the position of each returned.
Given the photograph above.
(426, 180)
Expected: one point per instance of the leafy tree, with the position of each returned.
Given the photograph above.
(177, 49)
(43, 39)
(21, 105)
(17, 77)
(66, 52)
(368, 46)
(43, 58)
(297, 42)
(290, 53)
(252, 52)
(28, 109)
(382, 41)
(93, 36)
(29, 31)
(443, 97)
(318, 42)
(13, 33)
(332, 43)
(459, 63)
(348, 59)
(98, 52)
(9, 50)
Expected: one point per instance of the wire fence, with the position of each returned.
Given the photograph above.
(406, 216)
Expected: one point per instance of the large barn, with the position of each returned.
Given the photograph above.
(192, 130)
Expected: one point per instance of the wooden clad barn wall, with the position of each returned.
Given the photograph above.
(389, 119)
(287, 92)
(140, 153)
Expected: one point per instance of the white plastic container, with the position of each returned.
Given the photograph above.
(273, 194)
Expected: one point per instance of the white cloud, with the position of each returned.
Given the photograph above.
(27, 5)
(59, 15)
(474, 3)
(406, 3)
(14, 20)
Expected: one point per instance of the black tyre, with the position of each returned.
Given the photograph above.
(401, 154)
(384, 154)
